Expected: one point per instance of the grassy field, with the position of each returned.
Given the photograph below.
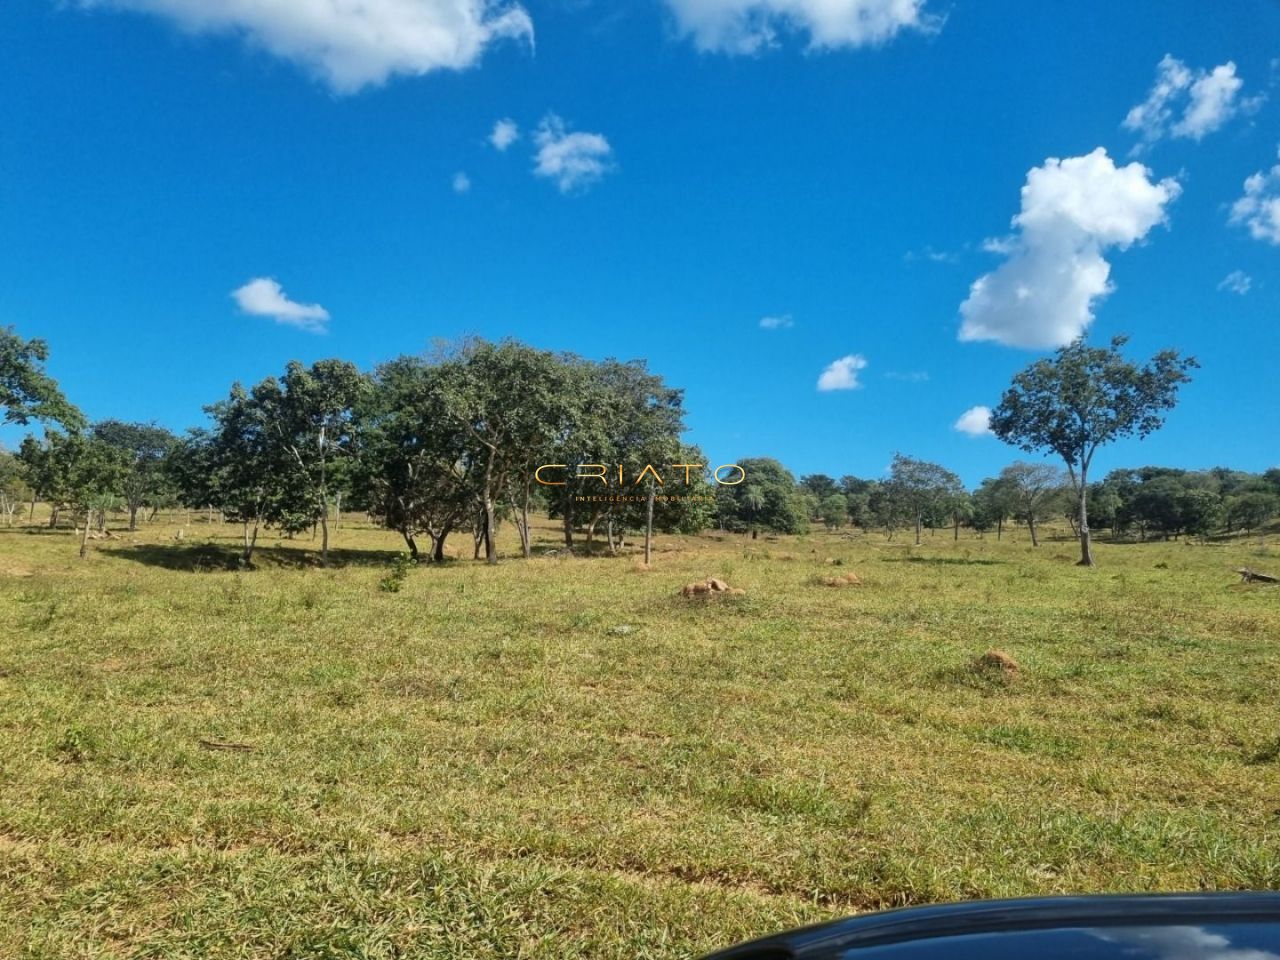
(563, 758)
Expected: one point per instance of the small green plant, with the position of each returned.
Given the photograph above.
(397, 574)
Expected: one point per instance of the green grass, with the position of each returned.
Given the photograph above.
(563, 758)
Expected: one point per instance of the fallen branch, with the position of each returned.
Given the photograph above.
(1252, 576)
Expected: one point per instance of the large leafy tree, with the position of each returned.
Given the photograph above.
(415, 472)
(26, 392)
(508, 400)
(144, 448)
(1085, 398)
(310, 415)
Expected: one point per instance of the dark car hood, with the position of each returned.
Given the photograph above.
(1205, 926)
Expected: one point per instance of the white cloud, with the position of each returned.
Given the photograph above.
(505, 133)
(351, 44)
(1180, 943)
(780, 322)
(976, 421)
(1237, 281)
(842, 374)
(264, 297)
(1207, 99)
(909, 376)
(574, 161)
(747, 26)
(1259, 208)
(461, 182)
(1073, 210)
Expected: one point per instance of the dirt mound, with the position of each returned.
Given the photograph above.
(848, 580)
(994, 661)
(710, 587)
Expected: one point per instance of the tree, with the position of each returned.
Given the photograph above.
(921, 488)
(1033, 487)
(240, 467)
(820, 485)
(13, 486)
(765, 499)
(414, 470)
(508, 399)
(835, 511)
(309, 412)
(144, 448)
(1082, 399)
(1252, 509)
(993, 503)
(26, 392)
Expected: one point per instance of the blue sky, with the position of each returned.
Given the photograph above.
(683, 170)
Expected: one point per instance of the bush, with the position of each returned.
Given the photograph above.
(397, 574)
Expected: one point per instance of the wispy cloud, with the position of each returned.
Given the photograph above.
(749, 26)
(932, 255)
(575, 161)
(908, 376)
(461, 183)
(264, 297)
(781, 321)
(1207, 99)
(1237, 281)
(1259, 208)
(352, 45)
(842, 374)
(504, 134)
(976, 421)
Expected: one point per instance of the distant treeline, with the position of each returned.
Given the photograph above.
(451, 444)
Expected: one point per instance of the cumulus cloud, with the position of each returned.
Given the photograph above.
(574, 161)
(1259, 208)
(1237, 281)
(1073, 210)
(1206, 98)
(264, 297)
(780, 322)
(505, 133)
(842, 374)
(348, 44)
(747, 26)
(976, 421)
(461, 182)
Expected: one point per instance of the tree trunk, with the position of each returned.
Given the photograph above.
(648, 528)
(412, 545)
(1086, 545)
(999, 528)
(1031, 525)
(133, 516)
(568, 520)
(956, 521)
(32, 518)
(53, 518)
(437, 555)
(917, 530)
(84, 535)
(250, 541)
(337, 511)
(324, 535)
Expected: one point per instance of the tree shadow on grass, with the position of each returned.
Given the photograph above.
(941, 561)
(212, 557)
